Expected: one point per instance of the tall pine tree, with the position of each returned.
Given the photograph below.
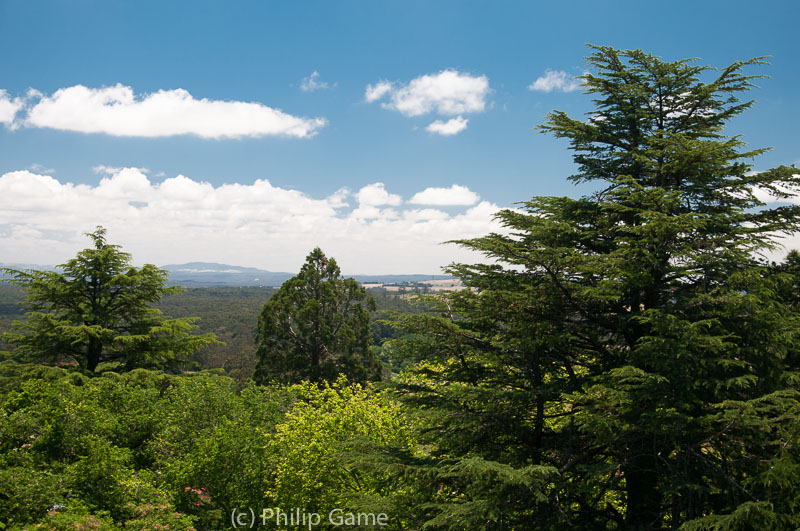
(98, 308)
(633, 341)
(316, 327)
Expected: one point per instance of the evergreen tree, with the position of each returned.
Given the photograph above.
(97, 309)
(315, 327)
(632, 340)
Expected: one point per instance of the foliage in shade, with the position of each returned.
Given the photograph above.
(231, 314)
(632, 339)
(96, 309)
(315, 327)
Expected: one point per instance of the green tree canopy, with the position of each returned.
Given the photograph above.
(316, 327)
(96, 308)
(631, 340)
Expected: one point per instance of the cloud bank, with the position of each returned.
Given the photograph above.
(42, 220)
(117, 111)
(446, 93)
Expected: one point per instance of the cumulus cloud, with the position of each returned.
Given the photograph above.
(456, 195)
(376, 195)
(377, 91)
(312, 83)
(373, 196)
(180, 220)
(448, 128)
(448, 93)
(117, 111)
(555, 80)
(9, 108)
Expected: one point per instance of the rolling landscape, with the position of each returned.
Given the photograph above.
(206, 274)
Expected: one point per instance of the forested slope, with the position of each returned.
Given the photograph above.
(229, 312)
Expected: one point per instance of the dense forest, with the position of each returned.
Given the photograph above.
(625, 360)
(231, 314)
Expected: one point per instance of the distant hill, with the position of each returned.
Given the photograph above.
(208, 274)
(23, 267)
(212, 275)
(396, 279)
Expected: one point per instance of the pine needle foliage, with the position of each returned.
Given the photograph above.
(98, 308)
(316, 327)
(633, 340)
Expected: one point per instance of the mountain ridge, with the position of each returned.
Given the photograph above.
(213, 274)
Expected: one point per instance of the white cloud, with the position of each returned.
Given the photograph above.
(557, 80)
(117, 111)
(425, 214)
(448, 93)
(448, 128)
(377, 91)
(339, 198)
(786, 194)
(456, 195)
(42, 220)
(376, 195)
(40, 168)
(368, 212)
(102, 169)
(312, 83)
(9, 108)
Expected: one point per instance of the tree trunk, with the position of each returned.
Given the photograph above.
(643, 503)
(93, 354)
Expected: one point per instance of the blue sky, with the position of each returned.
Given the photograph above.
(264, 188)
